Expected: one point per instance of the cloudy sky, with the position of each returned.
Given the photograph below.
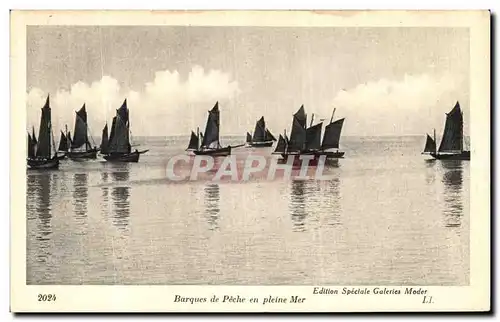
(385, 81)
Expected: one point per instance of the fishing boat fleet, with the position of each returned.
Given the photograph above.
(42, 152)
(304, 140)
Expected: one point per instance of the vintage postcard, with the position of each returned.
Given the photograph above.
(250, 161)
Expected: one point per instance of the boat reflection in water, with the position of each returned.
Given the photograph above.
(120, 194)
(212, 208)
(298, 211)
(80, 199)
(453, 189)
(41, 187)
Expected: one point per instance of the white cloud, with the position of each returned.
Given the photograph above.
(159, 108)
(413, 105)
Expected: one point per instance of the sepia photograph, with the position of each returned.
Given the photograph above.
(334, 157)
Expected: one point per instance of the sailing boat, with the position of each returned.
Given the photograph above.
(63, 146)
(262, 137)
(452, 142)
(42, 158)
(194, 141)
(118, 148)
(307, 140)
(210, 143)
(31, 147)
(80, 147)
(331, 138)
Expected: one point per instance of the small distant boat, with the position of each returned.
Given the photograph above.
(210, 142)
(41, 153)
(452, 142)
(64, 144)
(262, 137)
(80, 147)
(117, 147)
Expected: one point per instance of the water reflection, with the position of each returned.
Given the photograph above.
(80, 194)
(105, 193)
(331, 202)
(453, 186)
(212, 199)
(298, 205)
(42, 189)
(120, 195)
(430, 173)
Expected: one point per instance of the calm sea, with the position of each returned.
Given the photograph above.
(386, 216)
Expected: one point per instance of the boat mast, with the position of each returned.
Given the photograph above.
(333, 113)
(312, 120)
(435, 142)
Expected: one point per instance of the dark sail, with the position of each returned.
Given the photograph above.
(249, 138)
(331, 138)
(80, 137)
(33, 136)
(201, 136)
(301, 117)
(104, 139)
(453, 134)
(63, 143)
(269, 136)
(31, 147)
(281, 146)
(259, 134)
(297, 137)
(119, 142)
(313, 137)
(44, 134)
(430, 145)
(211, 138)
(193, 142)
(69, 138)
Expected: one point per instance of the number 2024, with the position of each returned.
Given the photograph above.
(46, 297)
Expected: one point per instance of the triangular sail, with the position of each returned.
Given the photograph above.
(104, 140)
(33, 136)
(119, 141)
(69, 137)
(313, 137)
(44, 134)
(269, 136)
(80, 136)
(211, 138)
(331, 138)
(281, 146)
(63, 143)
(301, 117)
(453, 133)
(297, 136)
(193, 142)
(259, 134)
(31, 147)
(430, 145)
(249, 138)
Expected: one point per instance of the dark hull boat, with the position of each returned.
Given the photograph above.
(262, 137)
(124, 157)
(464, 155)
(210, 141)
(83, 155)
(452, 142)
(265, 144)
(43, 164)
(221, 152)
(80, 147)
(117, 147)
(40, 152)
